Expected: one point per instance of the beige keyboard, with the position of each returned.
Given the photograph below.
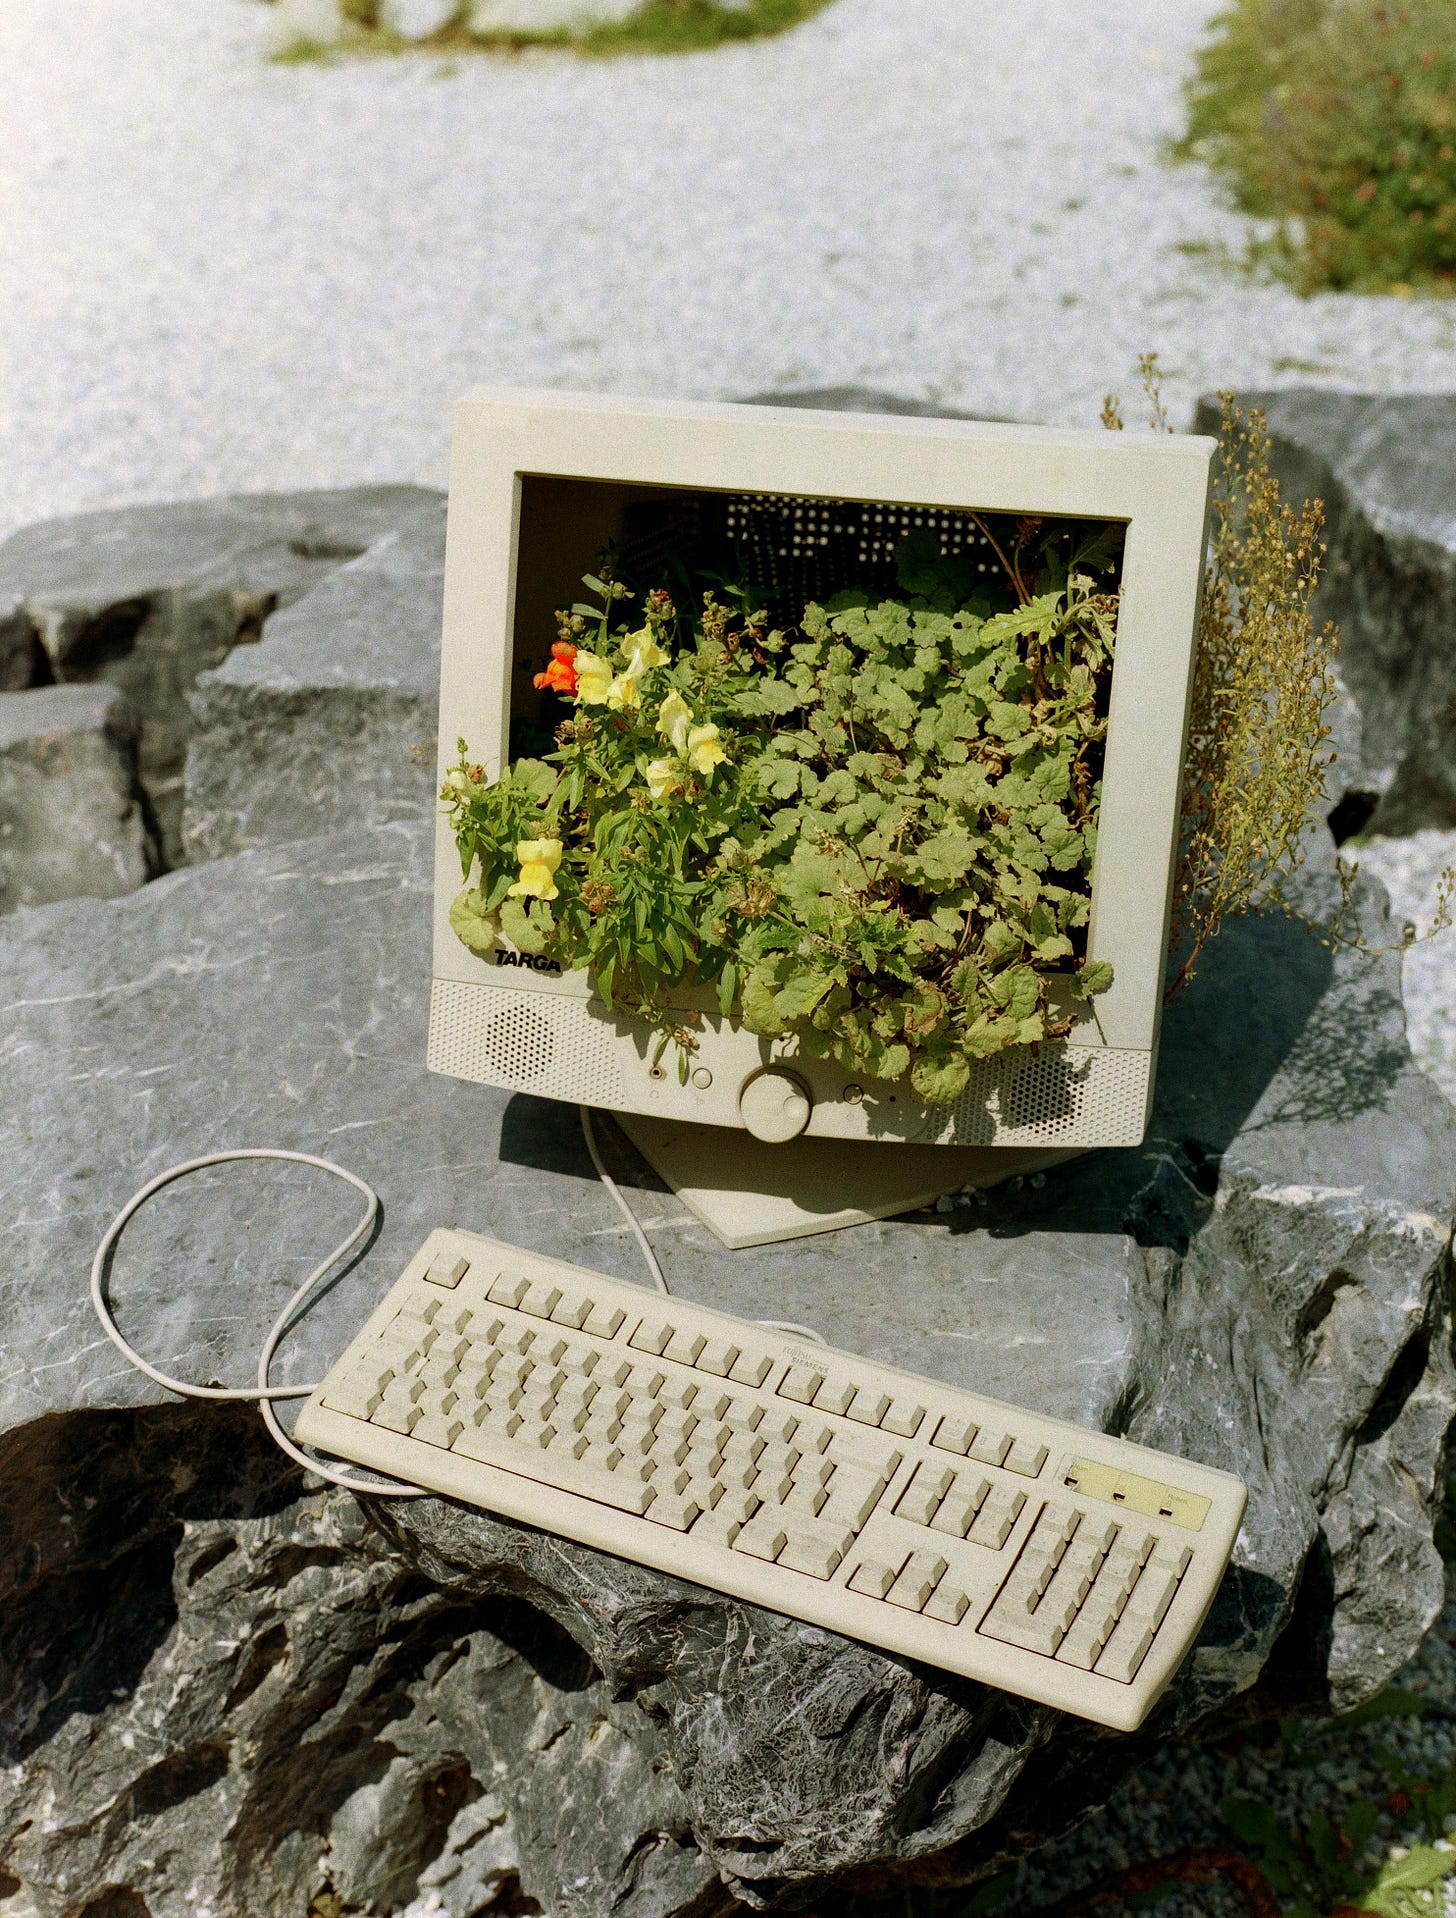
(1054, 1562)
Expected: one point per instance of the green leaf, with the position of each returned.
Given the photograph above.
(472, 924)
(760, 1013)
(519, 929)
(798, 998)
(1017, 991)
(1093, 977)
(1420, 1870)
(779, 778)
(946, 858)
(940, 1077)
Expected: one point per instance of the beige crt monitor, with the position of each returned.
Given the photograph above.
(540, 482)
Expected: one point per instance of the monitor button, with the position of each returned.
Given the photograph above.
(774, 1105)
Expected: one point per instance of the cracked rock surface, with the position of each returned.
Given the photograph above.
(223, 1691)
(72, 818)
(147, 597)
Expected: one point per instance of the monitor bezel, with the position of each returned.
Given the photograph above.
(1158, 485)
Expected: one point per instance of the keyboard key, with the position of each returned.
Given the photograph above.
(652, 1336)
(677, 1510)
(922, 1573)
(356, 1398)
(777, 1427)
(1170, 1556)
(396, 1415)
(997, 1517)
(947, 1603)
(1026, 1457)
(989, 1446)
(540, 1299)
(571, 1310)
(800, 1383)
(853, 1495)
(711, 1401)
(764, 1536)
(750, 1368)
(1125, 1651)
(903, 1418)
(509, 1289)
(727, 1518)
(954, 1434)
(1089, 1632)
(447, 1269)
(743, 1415)
(815, 1549)
(718, 1356)
(1152, 1595)
(834, 1395)
(684, 1347)
(868, 1406)
(957, 1510)
(605, 1320)
(805, 1496)
(928, 1487)
(875, 1576)
(851, 1447)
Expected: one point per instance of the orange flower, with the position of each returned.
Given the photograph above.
(560, 675)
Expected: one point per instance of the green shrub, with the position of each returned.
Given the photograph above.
(873, 829)
(1337, 120)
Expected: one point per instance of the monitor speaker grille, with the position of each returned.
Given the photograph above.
(1064, 1095)
(537, 1042)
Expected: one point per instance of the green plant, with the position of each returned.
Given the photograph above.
(872, 830)
(1258, 753)
(1336, 119)
(656, 26)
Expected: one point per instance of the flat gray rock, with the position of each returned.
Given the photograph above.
(1259, 1286)
(330, 721)
(1385, 467)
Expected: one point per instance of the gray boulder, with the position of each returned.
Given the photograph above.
(1385, 467)
(146, 597)
(230, 1689)
(330, 721)
(71, 813)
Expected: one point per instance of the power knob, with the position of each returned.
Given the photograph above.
(774, 1105)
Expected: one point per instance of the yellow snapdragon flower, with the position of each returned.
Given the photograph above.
(663, 776)
(674, 716)
(642, 652)
(593, 679)
(705, 750)
(538, 859)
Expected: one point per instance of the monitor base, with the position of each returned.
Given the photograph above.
(748, 1193)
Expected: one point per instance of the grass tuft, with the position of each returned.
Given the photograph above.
(1335, 120)
(657, 26)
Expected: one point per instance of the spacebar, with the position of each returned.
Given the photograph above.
(563, 1473)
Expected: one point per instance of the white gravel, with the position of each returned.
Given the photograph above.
(217, 272)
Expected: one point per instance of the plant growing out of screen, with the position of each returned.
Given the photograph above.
(871, 830)
(1259, 752)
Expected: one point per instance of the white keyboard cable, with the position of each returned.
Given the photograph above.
(263, 1393)
(589, 1132)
